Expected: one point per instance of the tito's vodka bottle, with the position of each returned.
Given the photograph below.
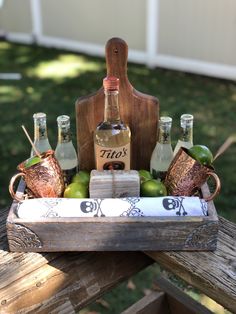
(112, 136)
(65, 151)
(163, 152)
(40, 133)
(186, 137)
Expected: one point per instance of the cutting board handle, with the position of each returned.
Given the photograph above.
(116, 57)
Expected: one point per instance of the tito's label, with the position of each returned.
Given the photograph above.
(113, 158)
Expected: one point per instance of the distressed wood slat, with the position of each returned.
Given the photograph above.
(178, 301)
(109, 234)
(153, 303)
(75, 279)
(57, 282)
(213, 273)
(17, 264)
(167, 300)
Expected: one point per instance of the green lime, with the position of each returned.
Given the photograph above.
(82, 176)
(202, 154)
(76, 190)
(153, 188)
(144, 175)
(32, 161)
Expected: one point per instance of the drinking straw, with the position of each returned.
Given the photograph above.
(31, 142)
(229, 141)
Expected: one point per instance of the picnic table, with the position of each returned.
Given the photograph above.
(67, 282)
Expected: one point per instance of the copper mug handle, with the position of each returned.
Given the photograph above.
(218, 186)
(11, 186)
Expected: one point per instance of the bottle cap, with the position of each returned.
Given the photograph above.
(39, 115)
(165, 120)
(63, 121)
(111, 83)
(165, 123)
(186, 120)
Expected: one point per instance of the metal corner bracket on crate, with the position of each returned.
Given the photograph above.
(20, 237)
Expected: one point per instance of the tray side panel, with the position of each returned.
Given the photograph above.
(113, 236)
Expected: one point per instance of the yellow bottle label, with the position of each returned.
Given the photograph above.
(112, 158)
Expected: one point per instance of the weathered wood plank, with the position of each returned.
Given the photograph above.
(168, 299)
(153, 303)
(178, 301)
(14, 266)
(75, 279)
(213, 273)
(57, 282)
(136, 235)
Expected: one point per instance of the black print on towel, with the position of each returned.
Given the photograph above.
(133, 210)
(92, 206)
(204, 207)
(97, 204)
(175, 203)
(51, 204)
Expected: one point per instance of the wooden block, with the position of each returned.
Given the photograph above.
(114, 183)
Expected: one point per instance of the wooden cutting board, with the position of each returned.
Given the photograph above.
(138, 110)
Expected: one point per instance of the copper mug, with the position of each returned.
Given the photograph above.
(44, 179)
(185, 176)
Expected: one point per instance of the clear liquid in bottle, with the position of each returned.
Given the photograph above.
(65, 151)
(41, 141)
(162, 154)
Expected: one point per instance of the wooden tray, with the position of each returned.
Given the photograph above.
(141, 112)
(112, 234)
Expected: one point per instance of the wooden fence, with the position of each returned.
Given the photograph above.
(187, 35)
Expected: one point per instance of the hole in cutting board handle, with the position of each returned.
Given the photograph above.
(116, 57)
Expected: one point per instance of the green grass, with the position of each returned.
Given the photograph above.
(53, 79)
(51, 82)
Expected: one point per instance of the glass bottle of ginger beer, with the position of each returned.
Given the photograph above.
(162, 154)
(40, 133)
(65, 151)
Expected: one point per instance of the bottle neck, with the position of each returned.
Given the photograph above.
(187, 134)
(112, 111)
(64, 135)
(164, 136)
(40, 131)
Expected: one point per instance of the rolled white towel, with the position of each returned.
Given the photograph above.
(112, 207)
